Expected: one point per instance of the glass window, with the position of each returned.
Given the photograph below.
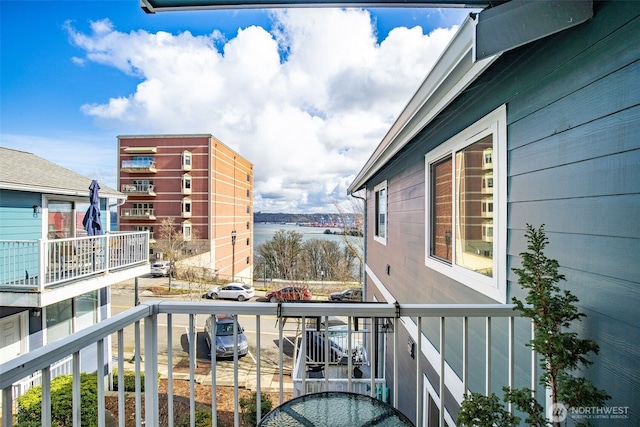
(86, 310)
(60, 219)
(139, 162)
(472, 207)
(466, 207)
(186, 181)
(186, 206)
(187, 159)
(380, 233)
(442, 209)
(142, 185)
(187, 230)
(59, 320)
(142, 209)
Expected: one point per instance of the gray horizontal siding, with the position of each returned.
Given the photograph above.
(613, 134)
(573, 113)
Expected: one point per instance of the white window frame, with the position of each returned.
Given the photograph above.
(494, 123)
(187, 160)
(187, 230)
(187, 213)
(187, 179)
(376, 226)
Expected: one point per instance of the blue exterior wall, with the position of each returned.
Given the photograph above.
(17, 222)
(16, 215)
(573, 115)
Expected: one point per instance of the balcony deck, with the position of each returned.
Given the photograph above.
(34, 271)
(152, 325)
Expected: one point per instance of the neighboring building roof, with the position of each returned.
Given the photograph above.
(23, 171)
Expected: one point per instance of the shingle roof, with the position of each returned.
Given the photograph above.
(20, 170)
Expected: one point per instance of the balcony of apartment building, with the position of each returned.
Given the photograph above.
(138, 213)
(138, 165)
(295, 349)
(33, 272)
(138, 189)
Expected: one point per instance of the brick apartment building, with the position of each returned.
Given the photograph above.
(202, 184)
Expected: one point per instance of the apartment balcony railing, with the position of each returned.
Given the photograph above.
(35, 265)
(138, 189)
(147, 331)
(138, 213)
(132, 166)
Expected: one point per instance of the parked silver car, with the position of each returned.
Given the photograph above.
(221, 326)
(160, 268)
(235, 290)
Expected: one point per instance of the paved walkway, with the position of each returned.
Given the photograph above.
(247, 378)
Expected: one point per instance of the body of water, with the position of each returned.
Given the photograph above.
(264, 232)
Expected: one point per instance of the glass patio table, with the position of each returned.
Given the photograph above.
(335, 409)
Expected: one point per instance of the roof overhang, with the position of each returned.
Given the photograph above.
(59, 191)
(481, 39)
(452, 73)
(153, 6)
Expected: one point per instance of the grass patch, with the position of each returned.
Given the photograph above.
(164, 290)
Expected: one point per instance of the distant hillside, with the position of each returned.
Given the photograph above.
(329, 220)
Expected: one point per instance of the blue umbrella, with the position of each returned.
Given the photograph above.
(91, 221)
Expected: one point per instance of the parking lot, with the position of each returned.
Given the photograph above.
(123, 298)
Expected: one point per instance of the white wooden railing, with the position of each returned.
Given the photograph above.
(153, 328)
(38, 264)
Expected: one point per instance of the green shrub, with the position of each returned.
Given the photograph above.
(248, 407)
(30, 404)
(129, 380)
(203, 419)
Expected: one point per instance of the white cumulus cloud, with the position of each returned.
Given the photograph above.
(306, 103)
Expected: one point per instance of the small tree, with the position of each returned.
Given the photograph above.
(172, 243)
(562, 353)
(354, 237)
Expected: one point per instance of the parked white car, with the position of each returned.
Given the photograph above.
(160, 268)
(235, 290)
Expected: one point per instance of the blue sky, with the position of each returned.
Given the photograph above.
(304, 94)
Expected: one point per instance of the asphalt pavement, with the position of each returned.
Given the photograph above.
(123, 298)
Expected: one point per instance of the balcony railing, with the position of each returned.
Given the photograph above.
(133, 166)
(138, 189)
(38, 264)
(294, 322)
(138, 213)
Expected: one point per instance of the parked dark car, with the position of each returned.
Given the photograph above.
(222, 327)
(346, 295)
(288, 293)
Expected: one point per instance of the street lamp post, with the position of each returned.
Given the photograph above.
(233, 255)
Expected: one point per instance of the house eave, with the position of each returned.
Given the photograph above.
(452, 73)
(59, 191)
